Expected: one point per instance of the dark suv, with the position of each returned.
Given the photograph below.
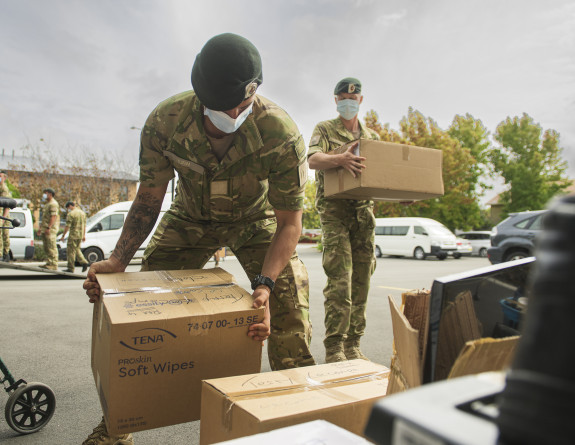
(513, 237)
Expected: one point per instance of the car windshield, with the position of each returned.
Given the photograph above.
(92, 219)
(439, 230)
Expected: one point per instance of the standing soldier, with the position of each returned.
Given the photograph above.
(348, 227)
(49, 228)
(5, 233)
(76, 225)
(242, 171)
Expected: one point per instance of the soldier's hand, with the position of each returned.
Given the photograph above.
(91, 284)
(351, 162)
(261, 331)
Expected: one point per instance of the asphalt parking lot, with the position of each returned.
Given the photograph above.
(45, 330)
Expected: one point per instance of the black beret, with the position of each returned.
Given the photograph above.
(227, 71)
(348, 85)
(49, 189)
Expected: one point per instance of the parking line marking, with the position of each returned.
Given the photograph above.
(394, 288)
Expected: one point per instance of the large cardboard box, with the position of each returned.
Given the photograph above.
(316, 432)
(341, 393)
(465, 354)
(157, 335)
(394, 172)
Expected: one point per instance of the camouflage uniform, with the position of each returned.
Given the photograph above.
(49, 241)
(348, 242)
(76, 223)
(5, 233)
(230, 203)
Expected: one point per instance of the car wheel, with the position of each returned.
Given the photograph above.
(378, 252)
(418, 253)
(456, 255)
(516, 255)
(93, 254)
(483, 252)
(441, 256)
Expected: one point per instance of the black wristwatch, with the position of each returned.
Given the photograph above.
(266, 281)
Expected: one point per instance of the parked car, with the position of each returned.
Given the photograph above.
(104, 229)
(513, 238)
(480, 241)
(22, 236)
(417, 237)
(463, 248)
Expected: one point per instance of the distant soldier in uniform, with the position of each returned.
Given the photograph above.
(4, 233)
(348, 227)
(242, 171)
(76, 225)
(49, 228)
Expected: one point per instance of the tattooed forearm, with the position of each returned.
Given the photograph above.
(139, 223)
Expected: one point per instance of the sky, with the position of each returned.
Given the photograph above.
(79, 75)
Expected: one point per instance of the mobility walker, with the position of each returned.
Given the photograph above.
(30, 406)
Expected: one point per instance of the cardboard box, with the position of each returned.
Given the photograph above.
(157, 335)
(341, 393)
(465, 352)
(317, 432)
(394, 172)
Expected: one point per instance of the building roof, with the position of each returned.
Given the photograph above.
(11, 161)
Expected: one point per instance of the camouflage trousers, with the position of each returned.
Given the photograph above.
(50, 248)
(4, 238)
(348, 262)
(74, 253)
(179, 243)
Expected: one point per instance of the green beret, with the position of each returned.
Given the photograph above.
(49, 189)
(348, 85)
(226, 72)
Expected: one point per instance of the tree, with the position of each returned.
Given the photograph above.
(310, 215)
(459, 207)
(472, 135)
(529, 160)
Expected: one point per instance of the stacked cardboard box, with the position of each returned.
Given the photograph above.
(341, 393)
(463, 352)
(157, 335)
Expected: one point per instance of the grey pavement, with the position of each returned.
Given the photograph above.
(45, 330)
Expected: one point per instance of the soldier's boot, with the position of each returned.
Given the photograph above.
(334, 351)
(100, 436)
(6, 258)
(49, 267)
(351, 349)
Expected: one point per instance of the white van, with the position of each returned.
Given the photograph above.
(22, 236)
(417, 237)
(104, 229)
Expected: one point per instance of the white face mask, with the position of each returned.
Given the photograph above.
(44, 197)
(226, 123)
(347, 108)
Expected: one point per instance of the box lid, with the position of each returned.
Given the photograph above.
(124, 282)
(289, 392)
(143, 296)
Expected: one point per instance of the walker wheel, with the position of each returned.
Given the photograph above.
(30, 407)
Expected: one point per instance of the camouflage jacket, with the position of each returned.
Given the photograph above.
(264, 169)
(76, 223)
(4, 190)
(327, 136)
(49, 209)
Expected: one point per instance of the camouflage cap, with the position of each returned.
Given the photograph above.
(227, 71)
(348, 85)
(49, 189)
